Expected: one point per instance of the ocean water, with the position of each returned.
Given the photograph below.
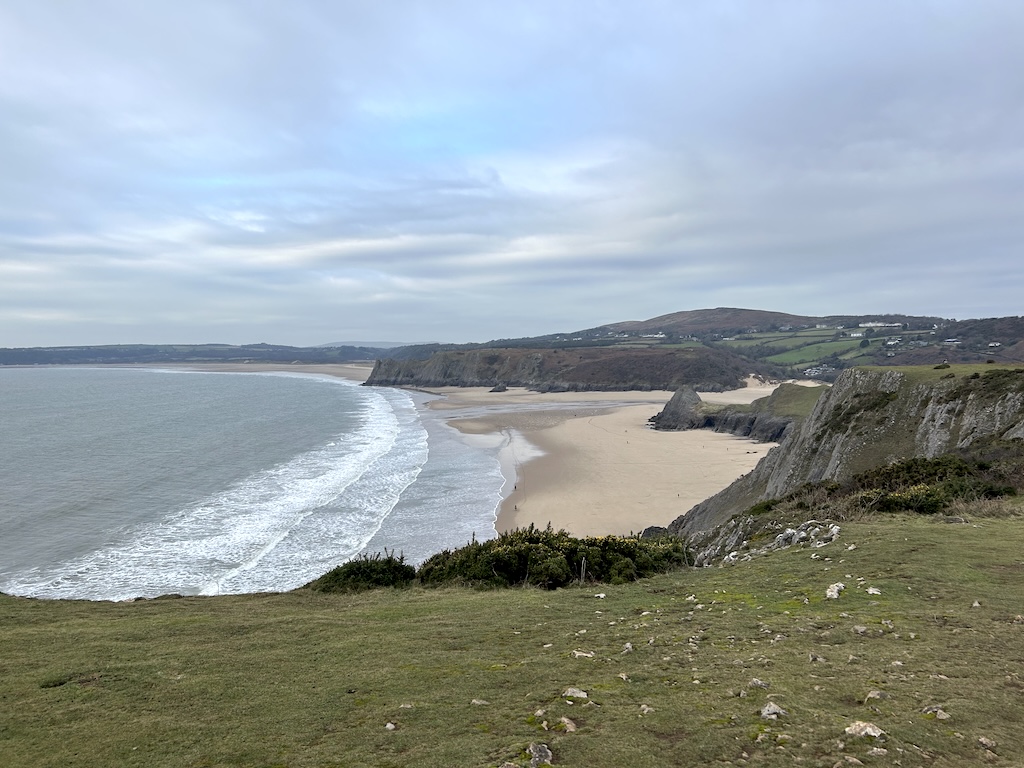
(120, 483)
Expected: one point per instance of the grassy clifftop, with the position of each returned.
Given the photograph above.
(312, 679)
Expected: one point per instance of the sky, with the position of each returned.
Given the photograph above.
(305, 172)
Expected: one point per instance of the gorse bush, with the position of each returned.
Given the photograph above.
(367, 572)
(526, 556)
(551, 559)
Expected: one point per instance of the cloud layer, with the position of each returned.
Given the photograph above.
(315, 171)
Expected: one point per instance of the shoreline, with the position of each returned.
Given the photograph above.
(585, 462)
(359, 372)
(589, 463)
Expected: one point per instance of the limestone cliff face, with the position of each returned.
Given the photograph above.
(869, 419)
(484, 368)
(567, 369)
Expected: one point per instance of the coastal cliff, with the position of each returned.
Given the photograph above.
(869, 419)
(579, 369)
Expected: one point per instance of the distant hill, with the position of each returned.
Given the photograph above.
(730, 320)
(638, 354)
(371, 344)
(183, 353)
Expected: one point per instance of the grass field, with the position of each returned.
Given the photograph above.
(307, 679)
(814, 352)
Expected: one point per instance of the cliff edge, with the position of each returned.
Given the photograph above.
(871, 418)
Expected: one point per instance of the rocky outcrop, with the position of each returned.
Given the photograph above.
(871, 418)
(745, 537)
(682, 411)
(768, 420)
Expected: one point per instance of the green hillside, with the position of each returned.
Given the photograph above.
(312, 679)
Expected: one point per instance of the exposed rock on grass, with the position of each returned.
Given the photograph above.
(772, 711)
(540, 754)
(859, 729)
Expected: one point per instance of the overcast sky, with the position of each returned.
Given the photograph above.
(302, 172)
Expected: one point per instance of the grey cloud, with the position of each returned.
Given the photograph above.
(295, 172)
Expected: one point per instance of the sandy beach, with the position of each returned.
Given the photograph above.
(353, 371)
(586, 462)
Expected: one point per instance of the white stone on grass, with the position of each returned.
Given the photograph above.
(772, 711)
(832, 593)
(860, 729)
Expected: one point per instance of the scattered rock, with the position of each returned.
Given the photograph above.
(986, 743)
(873, 695)
(390, 726)
(568, 725)
(832, 593)
(480, 703)
(624, 677)
(813, 657)
(577, 654)
(600, 595)
(730, 542)
(539, 755)
(540, 713)
(627, 648)
(645, 710)
(938, 712)
(874, 591)
(756, 683)
(878, 752)
(859, 629)
(860, 729)
(772, 711)
(976, 604)
(1018, 619)
(575, 693)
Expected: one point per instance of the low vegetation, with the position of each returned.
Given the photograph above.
(525, 557)
(993, 469)
(367, 572)
(552, 559)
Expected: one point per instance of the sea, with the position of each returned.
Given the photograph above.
(118, 483)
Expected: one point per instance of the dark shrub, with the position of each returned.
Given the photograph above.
(551, 559)
(366, 572)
